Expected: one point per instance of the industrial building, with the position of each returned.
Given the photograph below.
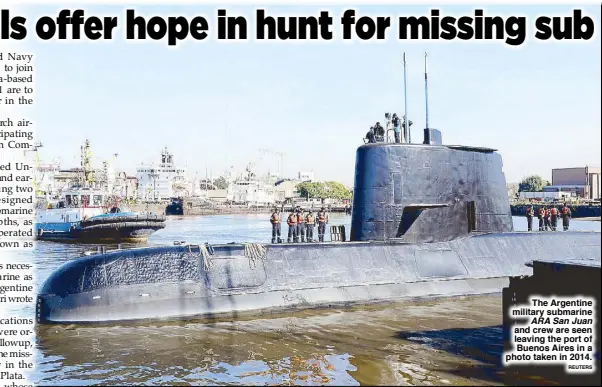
(583, 182)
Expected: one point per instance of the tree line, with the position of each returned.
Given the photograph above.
(533, 183)
(323, 190)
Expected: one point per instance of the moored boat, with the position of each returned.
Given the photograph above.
(81, 215)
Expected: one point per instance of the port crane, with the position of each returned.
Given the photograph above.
(264, 152)
(35, 148)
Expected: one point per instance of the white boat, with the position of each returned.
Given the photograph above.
(252, 193)
(81, 214)
(160, 182)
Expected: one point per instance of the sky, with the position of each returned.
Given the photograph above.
(216, 104)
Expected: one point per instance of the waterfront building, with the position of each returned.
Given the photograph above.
(162, 181)
(582, 182)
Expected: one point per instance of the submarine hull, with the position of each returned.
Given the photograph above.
(179, 282)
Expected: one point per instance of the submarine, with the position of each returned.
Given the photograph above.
(428, 220)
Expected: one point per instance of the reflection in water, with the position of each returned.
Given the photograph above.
(359, 345)
(449, 341)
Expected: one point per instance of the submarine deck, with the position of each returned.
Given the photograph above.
(454, 147)
(390, 241)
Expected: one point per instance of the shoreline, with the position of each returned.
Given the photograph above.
(218, 209)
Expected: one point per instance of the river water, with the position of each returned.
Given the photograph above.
(444, 342)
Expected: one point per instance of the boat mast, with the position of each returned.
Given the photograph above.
(36, 146)
(406, 128)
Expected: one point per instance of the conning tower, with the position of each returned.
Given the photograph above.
(428, 192)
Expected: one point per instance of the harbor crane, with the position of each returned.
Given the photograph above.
(35, 148)
(264, 151)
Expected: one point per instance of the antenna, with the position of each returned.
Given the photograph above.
(426, 91)
(406, 128)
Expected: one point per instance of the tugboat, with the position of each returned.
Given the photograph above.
(81, 215)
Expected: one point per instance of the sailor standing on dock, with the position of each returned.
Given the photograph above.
(530, 218)
(565, 212)
(309, 225)
(292, 227)
(322, 220)
(275, 219)
(300, 225)
(546, 218)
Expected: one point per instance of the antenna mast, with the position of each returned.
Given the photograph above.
(406, 128)
(426, 91)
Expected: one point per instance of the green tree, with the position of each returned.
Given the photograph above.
(312, 190)
(336, 190)
(220, 183)
(326, 190)
(532, 183)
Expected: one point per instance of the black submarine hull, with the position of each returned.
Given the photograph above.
(178, 282)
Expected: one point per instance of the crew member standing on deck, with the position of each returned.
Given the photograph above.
(322, 221)
(565, 212)
(292, 227)
(275, 219)
(530, 218)
(546, 218)
(553, 218)
(379, 132)
(397, 127)
(301, 225)
(309, 225)
(370, 136)
(540, 214)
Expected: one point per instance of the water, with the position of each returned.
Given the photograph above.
(451, 341)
